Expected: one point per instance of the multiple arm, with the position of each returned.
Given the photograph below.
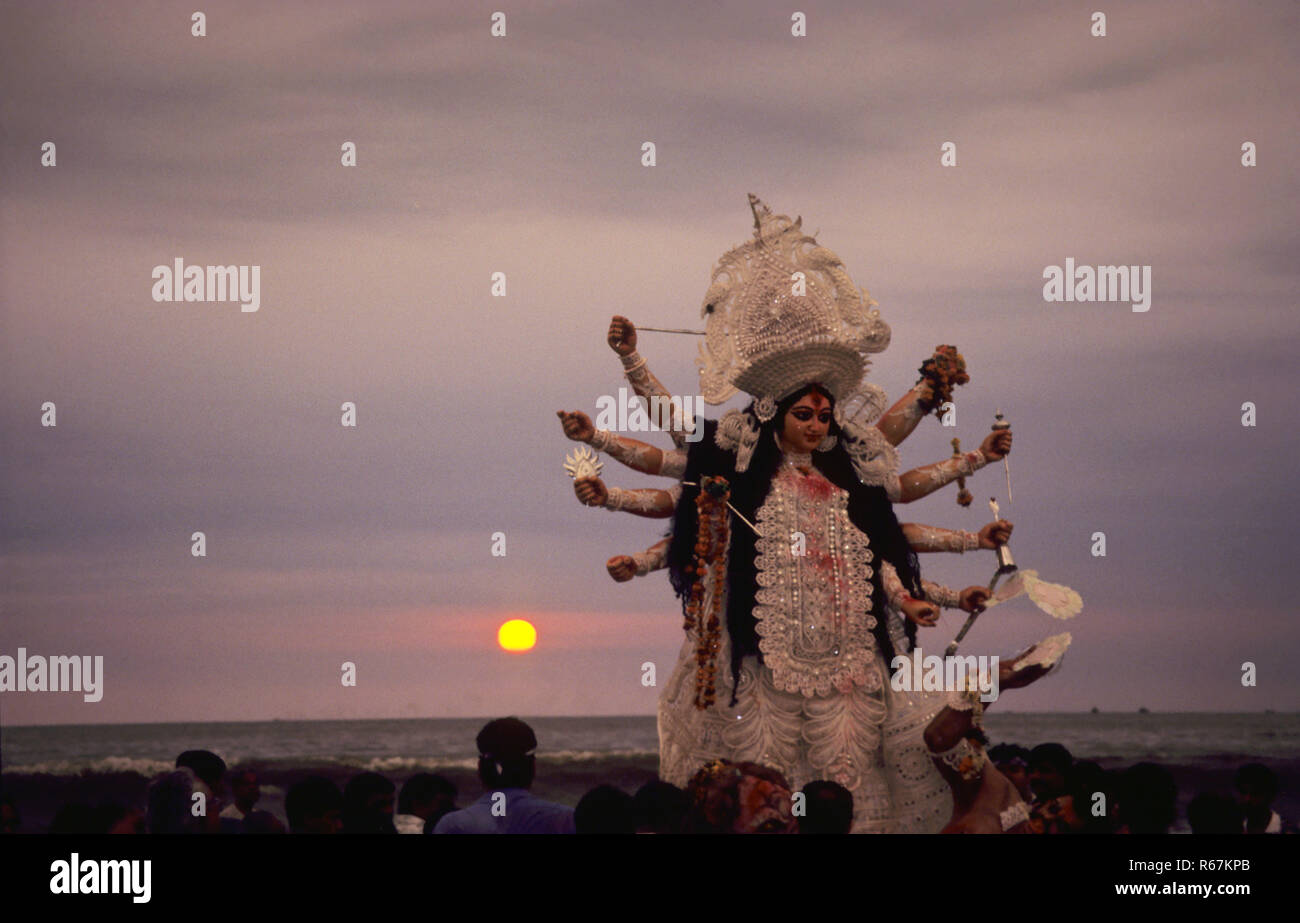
(654, 396)
(898, 421)
(927, 479)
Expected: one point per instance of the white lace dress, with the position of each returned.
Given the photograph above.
(820, 705)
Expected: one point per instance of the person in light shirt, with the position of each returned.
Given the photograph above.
(507, 766)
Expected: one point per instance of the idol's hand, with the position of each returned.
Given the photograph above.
(996, 444)
(995, 533)
(1011, 676)
(921, 612)
(591, 491)
(621, 567)
(577, 425)
(621, 336)
(973, 598)
(925, 392)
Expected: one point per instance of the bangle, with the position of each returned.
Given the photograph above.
(600, 440)
(632, 361)
(616, 500)
(965, 759)
(970, 541)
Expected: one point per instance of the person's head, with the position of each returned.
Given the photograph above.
(806, 418)
(828, 808)
(727, 797)
(506, 759)
(314, 805)
(368, 804)
(1012, 761)
(1146, 799)
(1216, 814)
(245, 789)
(172, 804)
(1049, 764)
(426, 795)
(660, 807)
(1089, 789)
(1256, 787)
(209, 767)
(605, 809)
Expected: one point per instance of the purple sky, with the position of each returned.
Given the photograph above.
(522, 155)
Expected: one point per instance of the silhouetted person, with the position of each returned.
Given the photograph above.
(210, 771)
(605, 809)
(314, 805)
(172, 804)
(1049, 767)
(209, 767)
(1214, 814)
(368, 804)
(660, 807)
(507, 766)
(828, 808)
(244, 793)
(424, 798)
(1256, 787)
(1146, 799)
(1087, 806)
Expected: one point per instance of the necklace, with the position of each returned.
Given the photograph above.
(798, 459)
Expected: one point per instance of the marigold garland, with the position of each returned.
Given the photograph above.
(944, 370)
(710, 560)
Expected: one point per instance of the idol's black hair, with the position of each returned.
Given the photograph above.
(869, 510)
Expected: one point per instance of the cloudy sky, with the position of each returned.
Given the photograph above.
(522, 155)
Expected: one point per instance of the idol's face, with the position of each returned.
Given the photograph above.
(806, 423)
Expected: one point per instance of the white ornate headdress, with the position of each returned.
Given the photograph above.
(781, 313)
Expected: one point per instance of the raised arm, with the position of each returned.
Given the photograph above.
(898, 421)
(654, 396)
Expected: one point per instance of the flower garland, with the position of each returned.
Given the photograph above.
(944, 370)
(710, 560)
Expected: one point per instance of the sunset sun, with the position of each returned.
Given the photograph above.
(517, 635)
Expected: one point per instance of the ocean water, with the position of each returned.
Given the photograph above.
(402, 747)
